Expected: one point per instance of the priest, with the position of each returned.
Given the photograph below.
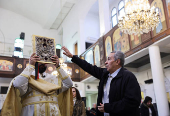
(47, 95)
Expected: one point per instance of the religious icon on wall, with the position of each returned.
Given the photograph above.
(97, 55)
(44, 47)
(162, 23)
(168, 9)
(89, 57)
(6, 65)
(135, 40)
(82, 72)
(101, 48)
(120, 41)
(108, 46)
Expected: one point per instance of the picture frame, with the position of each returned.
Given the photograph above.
(44, 47)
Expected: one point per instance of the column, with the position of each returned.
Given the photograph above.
(89, 101)
(104, 16)
(81, 40)
(158, 81)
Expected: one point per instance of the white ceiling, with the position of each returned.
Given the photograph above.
(95, 8)
(35, 10)
(62, 15)
(90, 79)
(48, 13)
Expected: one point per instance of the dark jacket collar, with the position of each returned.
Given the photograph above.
(120, 73)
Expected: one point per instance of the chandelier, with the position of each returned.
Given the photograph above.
(139, 17)
(64, 67)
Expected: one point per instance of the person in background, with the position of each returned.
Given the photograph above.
(147, 108)
(79, 107)
(93, 110)
(87, 111)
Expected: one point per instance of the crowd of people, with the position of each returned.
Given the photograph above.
(119, 92)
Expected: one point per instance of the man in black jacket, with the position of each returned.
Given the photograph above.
(119, 92)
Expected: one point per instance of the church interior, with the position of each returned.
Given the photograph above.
(90, 29)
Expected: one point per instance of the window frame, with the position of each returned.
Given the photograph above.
(121, 8)
(113, 16)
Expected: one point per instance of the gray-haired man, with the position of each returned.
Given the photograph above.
(119, 92)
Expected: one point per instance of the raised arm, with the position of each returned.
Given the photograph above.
(21, 81)
(66, 80)
(93, 70)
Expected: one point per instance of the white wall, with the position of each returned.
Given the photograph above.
(81, 88)
(90, 99)
(5, 81)
(93, 99)
(12, 24)
(75, 23)
(92, 27)
(145, 74)
(93, 87)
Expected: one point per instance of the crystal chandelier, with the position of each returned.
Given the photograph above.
(63, 66)
(139, 17)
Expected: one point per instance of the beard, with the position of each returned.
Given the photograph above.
(42, 68)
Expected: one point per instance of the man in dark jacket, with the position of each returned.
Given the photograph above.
(147, 108)
(93, 110)
(119, 92)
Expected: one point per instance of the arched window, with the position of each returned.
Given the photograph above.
(121, 9)
(114, 17)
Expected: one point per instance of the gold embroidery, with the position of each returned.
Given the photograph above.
(24, 75)
(60, 75)
(40, 102)
(63, 78)
(32, 66)
(46, 98)
(53, 111)
(46, 109)
(35, 110)
(42, 112)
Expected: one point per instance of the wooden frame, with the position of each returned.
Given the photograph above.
(102, 51)
(26, 61)
(167, 14)
(8, 73)
(113, 16)
(121, 38)
(96, 52)
(44, 47)
(162, 26)
(110, 33)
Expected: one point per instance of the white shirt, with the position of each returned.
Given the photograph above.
(107, 88)
(150, 112)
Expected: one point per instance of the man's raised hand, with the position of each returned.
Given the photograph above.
(67, 52)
